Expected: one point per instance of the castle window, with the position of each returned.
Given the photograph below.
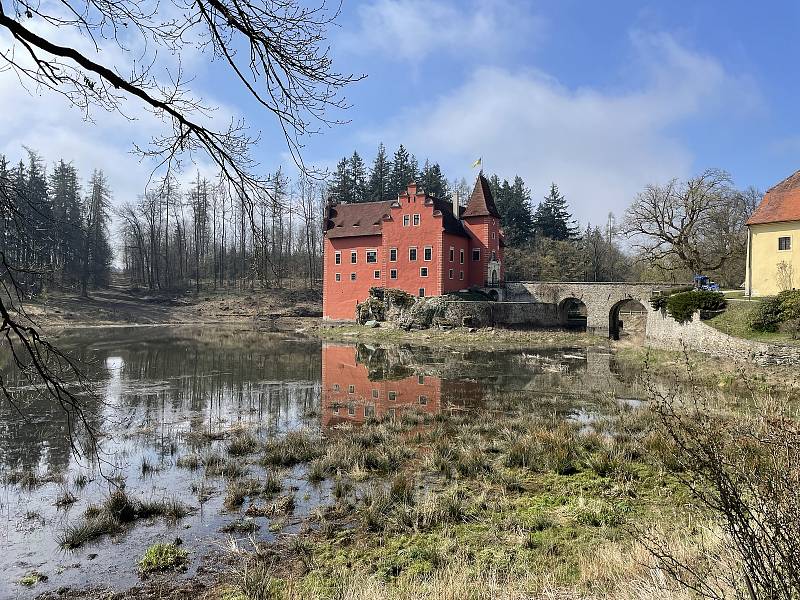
(494, 255)
(351, 409)
(372, 256)
(784, 243)
(421, 292)
(423, 271)
(336, 387)
(476, 254)
(452, 254)
(338, 277)
(393, 274)
(375, 393)
(450, 273)
(421, 379)
(393, 254)
(369, 411)
(461, 256)
(427, 253)
(412, 254)
(416, 220)
(352, 276)
(377, 274)
(392, 396)
(406, 220)
(461, 275)
(351, 389)
(353, 257)
(493, 234)
(423, 400)
(338, 258)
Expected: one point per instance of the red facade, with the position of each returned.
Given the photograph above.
(415, 243)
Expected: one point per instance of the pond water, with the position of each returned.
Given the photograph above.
(164, 392)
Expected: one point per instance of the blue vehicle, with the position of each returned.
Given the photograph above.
(704, 283)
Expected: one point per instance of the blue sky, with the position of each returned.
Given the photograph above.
(601, 98)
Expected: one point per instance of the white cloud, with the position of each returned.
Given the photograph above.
(411, 30)
(601, 147)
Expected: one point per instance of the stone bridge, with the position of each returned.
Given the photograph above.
(600, 302)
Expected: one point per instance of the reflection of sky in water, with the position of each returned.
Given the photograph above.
(160, 388)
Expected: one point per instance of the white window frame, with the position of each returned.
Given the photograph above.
(392, 253)
(421, 292)
(474, 250)
(461, 275)
(423, 400)
(376, 274)
(393, 274)
(366, 256)
(406, 220)
(354, 257)
(338, 277)
(337, 258)
(787, 249)
(427, 251)
(351, 389)
(412, 249)
(415, 220)
(352, 276)
(452, 254)
(461, 256)
(421, 269)
(376, 394)
(451, 274)
(392, 396)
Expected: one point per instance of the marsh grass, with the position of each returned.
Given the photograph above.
(294, 448)
(242, 445)
(114, 513)
(163, 557)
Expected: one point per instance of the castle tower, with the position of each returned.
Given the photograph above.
(482, 220)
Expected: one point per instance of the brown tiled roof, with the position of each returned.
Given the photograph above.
(449, 222)
(780, 203)
(348, 220)
(481, 203)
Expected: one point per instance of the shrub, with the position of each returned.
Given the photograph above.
(767, 315)
(682, 306)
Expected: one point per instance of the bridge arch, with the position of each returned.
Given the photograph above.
(572, 313)
(627, 317)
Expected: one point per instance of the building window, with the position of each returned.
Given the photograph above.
(461, 256)
(416, 220)
(390, 413)
(421, 379)
(336, 387)
(352, 276)
(337, 258)
(427, 253)
(493, 234)
(452, 254)
(336, 409)
(476, 254)
(423, 400)
(369, 411)
(494, 255)
(375, 393)
(351, 389)
(423, 271)
(353, 257)
(412, 254)
(461, 275)
(392, 396)
(338, 277)
(377, 274)
(406, 220)
(421, 292)
(372, 256)
(450, 273)
(393, 274)
(393, 254)
(351, 409)
(784, 243)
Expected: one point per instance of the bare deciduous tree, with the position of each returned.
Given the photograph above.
(696, 225)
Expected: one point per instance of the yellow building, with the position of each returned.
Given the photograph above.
(773, 241)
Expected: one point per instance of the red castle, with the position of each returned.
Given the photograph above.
(417, 243)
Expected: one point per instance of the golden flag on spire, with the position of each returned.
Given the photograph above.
(477, 163)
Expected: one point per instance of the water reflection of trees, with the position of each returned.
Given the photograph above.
(160, 385)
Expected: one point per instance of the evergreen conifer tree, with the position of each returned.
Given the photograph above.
(552, 219)
(379, 176)
(341, 186)
(403, 171)
(433, 181)
(358, 179)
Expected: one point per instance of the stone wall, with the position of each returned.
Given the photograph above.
(504, 314)
(664, 332)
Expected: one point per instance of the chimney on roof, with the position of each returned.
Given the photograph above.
(455, 205)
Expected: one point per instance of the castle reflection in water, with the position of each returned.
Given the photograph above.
(363, 382)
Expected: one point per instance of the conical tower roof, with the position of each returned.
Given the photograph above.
(481, 203)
